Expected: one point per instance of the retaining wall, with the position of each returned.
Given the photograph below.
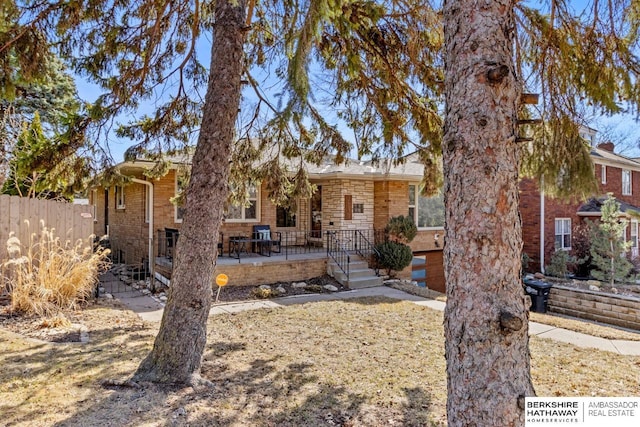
(612, 309)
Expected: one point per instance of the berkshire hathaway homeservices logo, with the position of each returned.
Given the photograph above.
(582, 411)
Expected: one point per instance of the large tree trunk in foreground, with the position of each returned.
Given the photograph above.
(178, 348)
(486, 320)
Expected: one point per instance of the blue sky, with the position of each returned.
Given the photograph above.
(626, 131)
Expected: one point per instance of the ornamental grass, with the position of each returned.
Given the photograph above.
(48, 274)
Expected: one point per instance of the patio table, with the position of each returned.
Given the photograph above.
(238, 244)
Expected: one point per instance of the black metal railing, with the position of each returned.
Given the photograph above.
(367, 251)
(291, 243)
(337, 250)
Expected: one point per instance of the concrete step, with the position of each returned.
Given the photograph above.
(339, 275)
(364, 282)
(360, 275)
(353, 265)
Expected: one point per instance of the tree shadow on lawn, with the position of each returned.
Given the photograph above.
(264, 392)
(61, 377)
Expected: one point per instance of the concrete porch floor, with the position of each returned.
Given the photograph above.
(254, 258)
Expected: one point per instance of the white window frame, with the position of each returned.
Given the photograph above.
(244, 218)
(562, 233)
(634, 233)
(603, 174)
(94, 197)
(627, 190)
(120, 197)
(415, 206)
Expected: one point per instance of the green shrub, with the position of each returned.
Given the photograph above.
(49, 275)
(394, 256)
(402, 229)
(608, 248)
(560, 261)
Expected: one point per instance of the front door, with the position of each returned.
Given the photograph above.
(106, 211)
(316, 213)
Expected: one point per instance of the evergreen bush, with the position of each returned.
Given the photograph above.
(560, 261)
(394, 256)
(401, 229)
(608, 248)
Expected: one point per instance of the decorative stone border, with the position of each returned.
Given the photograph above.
(615, 310)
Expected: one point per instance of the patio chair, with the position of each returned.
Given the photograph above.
(266, 240)
(221, 244)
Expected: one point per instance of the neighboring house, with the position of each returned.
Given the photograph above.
(549, 224)
(355, 195)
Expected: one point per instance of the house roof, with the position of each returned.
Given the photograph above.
(410, 170)
(594, 205)
(603, 156)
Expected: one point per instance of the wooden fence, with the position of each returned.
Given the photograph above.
(25, 217)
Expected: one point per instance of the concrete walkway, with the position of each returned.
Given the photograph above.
(151, 310)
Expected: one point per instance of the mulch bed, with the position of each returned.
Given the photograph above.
(246, 293)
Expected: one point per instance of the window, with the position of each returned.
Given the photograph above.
(563, 234)
(94, 203)
(358, 208)
(634, 233)
(119, 197)
(181, 185)
(604, 173)
(247, 213)
(285, 217)
(427, 212)
(626, 182)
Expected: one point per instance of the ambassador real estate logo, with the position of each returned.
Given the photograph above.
(582, 411)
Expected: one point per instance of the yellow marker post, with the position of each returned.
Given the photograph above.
(221, 280)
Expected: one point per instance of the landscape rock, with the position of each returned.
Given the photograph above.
(281, 290)
(330, 288)
(146, 291)
(299, 285)
(108, 296)
(265, 287)
(594, 283)
(594, 288)
(163, 298)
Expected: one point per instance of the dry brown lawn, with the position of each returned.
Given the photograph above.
(366, 362)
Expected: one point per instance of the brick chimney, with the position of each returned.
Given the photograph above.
(607, 146)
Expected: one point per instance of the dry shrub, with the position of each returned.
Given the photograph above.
(57, 321)
(50, 275)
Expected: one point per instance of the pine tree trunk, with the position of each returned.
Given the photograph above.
(178, 348)
(486, 319)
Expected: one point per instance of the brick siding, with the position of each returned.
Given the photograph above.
(554, 208)
(258, 273)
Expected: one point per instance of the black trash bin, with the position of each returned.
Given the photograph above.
(539, 293)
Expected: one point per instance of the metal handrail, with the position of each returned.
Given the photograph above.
(337, 253)
(364, 245)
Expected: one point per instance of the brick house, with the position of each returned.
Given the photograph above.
(356, 195)
(550, 224)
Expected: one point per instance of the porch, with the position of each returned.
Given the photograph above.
(298, 255)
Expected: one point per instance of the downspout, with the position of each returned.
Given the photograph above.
(150, 204)
(542, 224)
